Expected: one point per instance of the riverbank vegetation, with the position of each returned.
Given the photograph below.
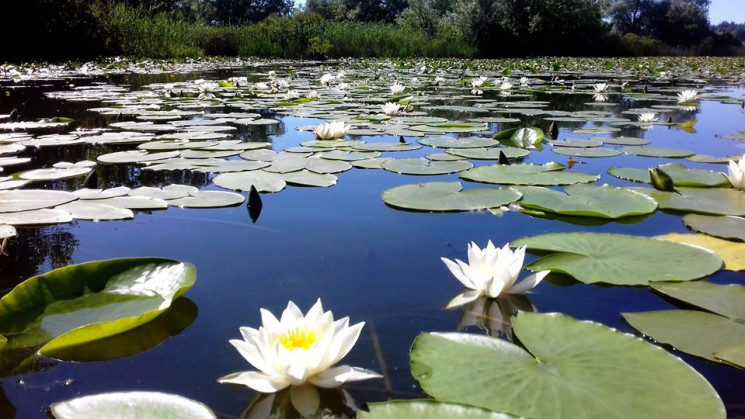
(77, 29)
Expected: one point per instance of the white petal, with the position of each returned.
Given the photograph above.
(458, 273)
(258, 381)
(464, 297)
(297, 373)
(528, 283)
(477, 278)
(268, 320)
(249, 334)
(343, 342)
(290, 315)
(251, 353)
(336, 376)
(315, 312)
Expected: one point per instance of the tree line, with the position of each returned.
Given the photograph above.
(64, 29)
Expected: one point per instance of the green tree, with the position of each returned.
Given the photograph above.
(237, 12)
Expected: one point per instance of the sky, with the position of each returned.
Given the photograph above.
(727, 10)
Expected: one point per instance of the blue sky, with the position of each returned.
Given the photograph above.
(727, 10)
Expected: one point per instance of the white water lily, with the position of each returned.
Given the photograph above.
(439, 80)
(736, 174)
(505, 85)
(205, 90)
(342, 86)
(397, 89)
(260, 86)
(297, 349)
(292, 94)
(332, 130)
(313, 94)
(168, 90)
(648, 117)
(599, 97)
(271, 74)
(327, 78)
(475, 83)
(491, 272)
(391, 109)
(687, 96)
(600, 87)
(523, 81)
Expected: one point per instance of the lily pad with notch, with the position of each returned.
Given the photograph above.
(447, 196)
(587, 201)
(527, 174)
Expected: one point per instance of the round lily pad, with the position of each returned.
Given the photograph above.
(586, 152)
(30, 199)
(657, 152)
(587, 201)
(573, 369)
(405, 409)
(173, 193)
(422, 166)
(726, 227)
(242, 181)
(623, 140)
(36, 217)
(577, 143)
(91, 210)
(131, 405)
(384, 147)
(135, 156)
(308, 178)
(619, 259)
(92, 194)
(447, 196)
(491, 153)
(208, 199)
(527, 174)
(700, 200)
(54, 173)
(450, 142)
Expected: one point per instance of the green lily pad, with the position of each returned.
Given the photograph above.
(135, 156)
(30, 199)
(242, 181)
(447, 196)
(348, 155)
(577, 143)
(90, 210)
(488, 153)
(376, 163)
(521, 137)
(208, 199)
(445, 127)
(36, 217)
(681, 175)
(619, 259)
(135, 202)
(657, 152)
(422, 166)
(385, 147)
(450, 142)
(308, 178)
(431, 409)
(54, 173)
(85, 302)
(623, 140)
(569, 368)
(587, 201)
(159, 193)
(586, 152)
(93, 194)
(527, 174)
(700, 200)
(705, 158)
(726, 227)
(131, 405)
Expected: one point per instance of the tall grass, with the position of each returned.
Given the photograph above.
(135, 32)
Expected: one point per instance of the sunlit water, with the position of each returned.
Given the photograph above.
(342, 244)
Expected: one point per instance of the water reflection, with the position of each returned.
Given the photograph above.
(33, 248)
(304, 401)
(494, 315)
(7, 410)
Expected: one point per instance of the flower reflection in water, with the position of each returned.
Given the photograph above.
(494, 315)
(302, 402)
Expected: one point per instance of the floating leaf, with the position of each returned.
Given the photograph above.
(135, 202)
(242, 181)
(732, 253)
(521, 137)
(623, 140)
(569, 369)
(619, 259)
(135, 156)
(208, 199)
(384, 147)
(36, 217)
(726, 227)
(93, 194)
(705, 201)
(657, 152)
(447, 196)
(527, 174)
(489, 153)
(308, 178)
(131, 405)
(89, 301)
(450, 142)
(91, 210)
(29, 199)
(587, 201)
(54, 173)
(421, 166)
(405, 409)
(586, 152)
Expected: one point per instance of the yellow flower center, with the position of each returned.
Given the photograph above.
(298, 338)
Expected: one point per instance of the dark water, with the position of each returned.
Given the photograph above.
(342, 244)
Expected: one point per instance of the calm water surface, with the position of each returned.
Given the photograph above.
(342, 244)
